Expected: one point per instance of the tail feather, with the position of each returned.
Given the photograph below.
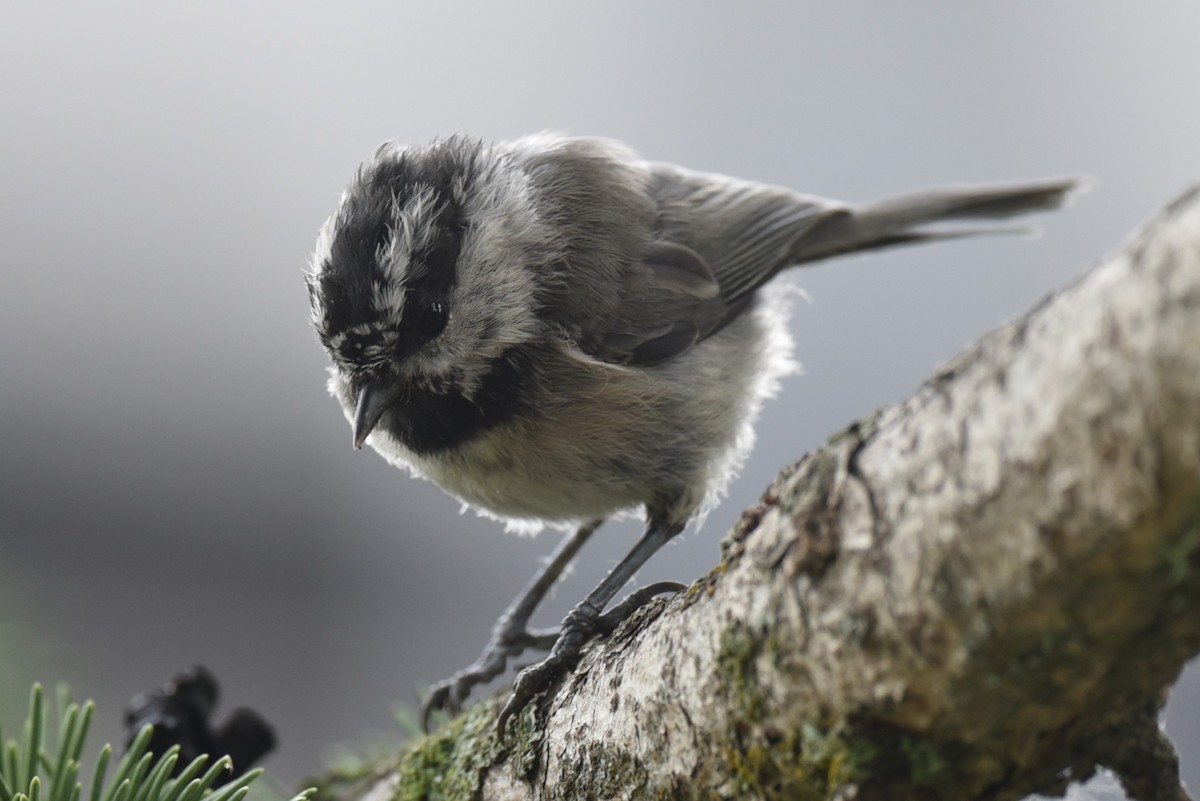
(948, 203)
(899, 220)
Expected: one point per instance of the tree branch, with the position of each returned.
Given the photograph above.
(982, 592)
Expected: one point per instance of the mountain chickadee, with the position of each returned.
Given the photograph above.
(556, 332)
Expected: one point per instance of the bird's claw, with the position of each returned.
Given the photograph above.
(449, 694)
(446, 696)
(532, 681)
(583, 621)
(614, 617)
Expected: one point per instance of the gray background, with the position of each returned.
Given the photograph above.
(176, 486)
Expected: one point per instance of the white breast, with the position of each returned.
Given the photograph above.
(606, 440)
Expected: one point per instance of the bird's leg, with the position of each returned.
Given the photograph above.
(586, 619)
(510, 634)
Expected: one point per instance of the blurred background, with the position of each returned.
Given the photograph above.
(175, 484)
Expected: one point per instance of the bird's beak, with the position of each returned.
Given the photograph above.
(372, 400)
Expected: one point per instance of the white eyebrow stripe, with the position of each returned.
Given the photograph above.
(413, 230)
(389, 301)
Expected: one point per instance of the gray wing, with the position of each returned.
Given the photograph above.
(718, 240)
(746, 232)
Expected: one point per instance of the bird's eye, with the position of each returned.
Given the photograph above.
(432, 319)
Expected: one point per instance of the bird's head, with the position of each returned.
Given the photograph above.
(426, 274)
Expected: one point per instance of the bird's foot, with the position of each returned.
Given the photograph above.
(579, 625)
(509, 639)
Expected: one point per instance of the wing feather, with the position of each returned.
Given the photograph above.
(717, 240)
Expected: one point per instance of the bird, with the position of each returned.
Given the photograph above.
(557, 332)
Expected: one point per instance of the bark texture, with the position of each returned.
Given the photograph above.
(980, 593)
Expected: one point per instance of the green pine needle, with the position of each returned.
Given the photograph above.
(183, 780)
(101, 770)
(33, 769)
